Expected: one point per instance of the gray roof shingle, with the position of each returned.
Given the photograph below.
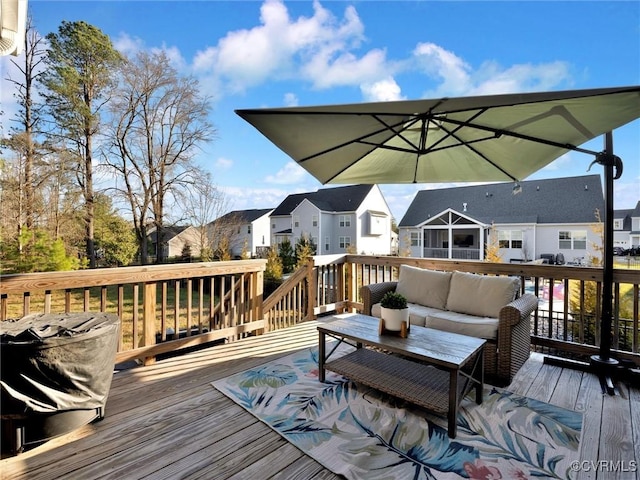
(244, 216)
(558, 200)
(338, 199)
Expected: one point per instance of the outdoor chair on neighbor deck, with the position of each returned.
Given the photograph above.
(487, 307)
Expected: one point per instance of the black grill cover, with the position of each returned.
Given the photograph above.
(57, 362)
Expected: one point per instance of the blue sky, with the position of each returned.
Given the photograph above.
(250, 54)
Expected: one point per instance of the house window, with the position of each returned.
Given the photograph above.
(249, 229)
(326, 244)
(510, 238)
(344, 242)
(296, 221)
(617, 224)
(315, 221)
(415, 239)
(345, 220)
(273, 226)
(572, 240)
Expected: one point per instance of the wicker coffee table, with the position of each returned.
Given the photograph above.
(430, 368)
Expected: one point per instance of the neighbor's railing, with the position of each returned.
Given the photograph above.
(162, 308)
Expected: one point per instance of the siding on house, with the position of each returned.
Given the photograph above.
(552, 216)
(336, 219)
(626, 227)
(248, 231)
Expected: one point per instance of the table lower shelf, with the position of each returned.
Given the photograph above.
(421, 384)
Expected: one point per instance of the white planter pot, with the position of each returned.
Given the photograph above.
(393, 318)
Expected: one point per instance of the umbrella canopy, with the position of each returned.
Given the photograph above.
(465, 139)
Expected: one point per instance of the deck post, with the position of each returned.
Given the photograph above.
(313, 291)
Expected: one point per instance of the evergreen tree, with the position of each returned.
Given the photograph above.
(305, 249)
(287, 256)
(81, 61)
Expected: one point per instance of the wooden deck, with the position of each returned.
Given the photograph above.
(166, 421)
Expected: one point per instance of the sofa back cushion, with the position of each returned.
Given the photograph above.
(424, 287)
(480, 295)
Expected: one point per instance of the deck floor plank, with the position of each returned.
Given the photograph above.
(166, 421)
(616, 437)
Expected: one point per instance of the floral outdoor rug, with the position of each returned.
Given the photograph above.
(364, 434)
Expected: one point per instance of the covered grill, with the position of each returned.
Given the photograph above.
(55, 374)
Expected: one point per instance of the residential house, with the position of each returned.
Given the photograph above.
(353, 218)
(176, 241)
(247, 232)
(554, 219)
(626, 227)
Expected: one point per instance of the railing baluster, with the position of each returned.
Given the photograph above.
(47, 301)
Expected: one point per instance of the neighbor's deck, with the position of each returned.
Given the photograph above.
(167, 421)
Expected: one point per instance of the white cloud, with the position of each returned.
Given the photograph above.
(325, 51)
(492, 79)
(128, 45)
(317, 49)
(457, 77)
(442, 64)
(290, 174)
(382, 91)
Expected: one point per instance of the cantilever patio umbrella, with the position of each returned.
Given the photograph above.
(465, 139)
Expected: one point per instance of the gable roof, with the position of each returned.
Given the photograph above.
(558, 200)
(339, 199)
(244, 216)
(168, 232)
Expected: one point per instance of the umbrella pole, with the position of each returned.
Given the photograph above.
(602, 363)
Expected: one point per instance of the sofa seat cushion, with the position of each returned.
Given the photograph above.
(417, 313)
(471, 325)
(424, 287)
(481, 295)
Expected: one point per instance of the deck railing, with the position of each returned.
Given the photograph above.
(567, 321)
(162, 308)
(166, 308)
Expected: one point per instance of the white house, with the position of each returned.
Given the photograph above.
(248, 231)
(541, 219)
(353, 218)
(626, 227)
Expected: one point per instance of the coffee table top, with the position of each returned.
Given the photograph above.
(445, 349)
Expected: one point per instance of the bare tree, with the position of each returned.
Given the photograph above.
(158, 122)
(22, 140)
(202, 203)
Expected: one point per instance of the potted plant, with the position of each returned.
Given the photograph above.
(394, 311)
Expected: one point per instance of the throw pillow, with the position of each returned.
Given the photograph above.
(424, 287)
(481, 295)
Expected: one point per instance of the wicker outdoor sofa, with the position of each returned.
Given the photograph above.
(488, 307)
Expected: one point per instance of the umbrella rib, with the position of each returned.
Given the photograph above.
(499, 132)
(362, 140)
